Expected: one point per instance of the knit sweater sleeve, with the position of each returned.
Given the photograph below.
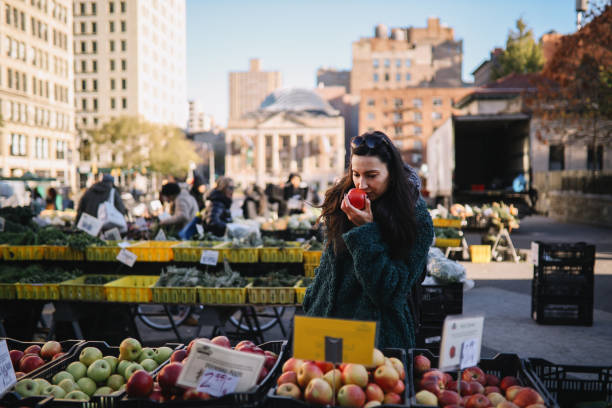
(382, 277)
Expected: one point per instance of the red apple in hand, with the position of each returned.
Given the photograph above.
(357, 198)
(139, 385)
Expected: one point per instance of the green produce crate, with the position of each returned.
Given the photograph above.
(8, 291)
(300, 292)
(153, 251)
(237, 255)
(448, 242)
(293, 253)
(77, 289)
(312, 257)
(39, 291)
(309, 270)
(190, 251)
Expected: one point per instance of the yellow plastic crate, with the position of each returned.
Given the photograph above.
(222, 296)
(153, 251)
(8, 291)
(182, 295)
(77, 289)
(40, 291)
(446, 223)
(24, 252)
(190, 251)
(131, 289)
(480, 253)
(300, 292)
(309, 270)
(448, 242)
(237, 255)
(312, 257)
(102, 253)
(293, 253)
(271, 295)
(63, 253)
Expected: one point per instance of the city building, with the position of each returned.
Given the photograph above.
(36, 90)
(330, 77)
(198, 120)
(294, 130)
(408, 116)
(409, 57)
(247, 90)
(483, 74)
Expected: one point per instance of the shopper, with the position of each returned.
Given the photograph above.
(97, 194)
(295, 194)
(50, 199)
(254, 202)
(373, 257)
(183, 206)
(197, 191)
(218, 213)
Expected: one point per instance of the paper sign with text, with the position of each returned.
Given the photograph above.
(126, 257)
(7, 373)
(209, 257)
(89, 224)
(239, 367)
(160, 236)
(314, 336)
(461, 342)
(112, 234)
(2, 224)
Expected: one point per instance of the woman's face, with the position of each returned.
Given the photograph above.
(370, 174)
(229, 190)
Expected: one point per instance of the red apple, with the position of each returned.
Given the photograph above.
(221, 341)
(33, 349)
(421, 364)
(386, 377)
(399, 387)
(447, 378)
(492, 380)
(49, 349)
(433, 385)
(355, 374)
(262, 374)
(374, 393)
(192, 342)
(318, 392)
(527, 396)
(351, 395)
(289, 390)
(448, 397)
(191, 394)
(506, 404)
(270, 359)
(292, 364)
(465, 387)
(474, 374)
(325, 366)
(307, 372)
(434, 373)
(512, 391)
(476, 388)
(490, 388)
(178, 356)
(139, 385)
(478, 401)
(30, 363)
(244, 343)
(168, 376)
(392, 398)
(399, 367)
(58, 355)
(495, 398)
(15, 355)
(334, 379)
(508, 382)
(287, 377)
(357, 198)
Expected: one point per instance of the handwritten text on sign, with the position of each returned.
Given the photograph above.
(209, 257)
(7, 373)
(217, 382)
(126, 257)
(461, 342)
(89, 224)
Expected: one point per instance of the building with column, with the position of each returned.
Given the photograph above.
(247, 90)
(36, 90)
(294, 130)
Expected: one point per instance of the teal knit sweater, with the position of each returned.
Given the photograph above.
(366, 284)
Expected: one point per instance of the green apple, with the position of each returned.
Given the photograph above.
(87, 385)
(123, 364)
(89, 355)
(42, 383)
(27, 388)
(55, 390)
(77, 395)
(149, 364)
(115, 381)
(131, 369)
(68, 385)
(129, 349)
(146, 353)
(61, 376)
(162, 354)
(99, 370)
(113, 361)
(103, 391)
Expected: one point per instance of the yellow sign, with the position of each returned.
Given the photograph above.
(354, 338)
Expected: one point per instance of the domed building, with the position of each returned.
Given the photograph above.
(294, 130)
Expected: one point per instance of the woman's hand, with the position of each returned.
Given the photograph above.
(357, 217)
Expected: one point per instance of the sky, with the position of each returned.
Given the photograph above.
(296, 37)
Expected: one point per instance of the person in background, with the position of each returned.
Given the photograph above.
(274, 195)
(295, 194)
(254, 202)
(218, 213)
(37, 202)
(183, 206)
(67, 201)
(97, 194)
(50, 199)
(197, 191)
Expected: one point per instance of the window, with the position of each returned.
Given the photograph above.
(18, 145)
(418, 117)
(556, 157)
(387, 62)
(398, 63)
(84, 104)
(111, 26)
(94, 66)
(398, 77)
(83, 84)
(398, 130)
(417, 102)
(60, 149)
(123, 83)
(371, 116)
(437, 101)
(112, 65)
(111, 45)
(93, 9)
(112, 103)
(83, 47)
(123, 26)
(95, 104)
(397, 116)
(83, 66)
(124, 103)
(375, 63)
(111, 7)
(375, 77)
(94, 84)
(124, 65)
(94, 46)
(82, 8)
(436, 115)
(94, 27)
(408, 63)
(408, 77)
(123, 45)
(398, 102)
(370, 101)
(123, 6)
(593, 154)
(83, 29)
(112, 84)
(386, 76)
(418, 130)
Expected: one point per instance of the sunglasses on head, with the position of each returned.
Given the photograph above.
(370, 140)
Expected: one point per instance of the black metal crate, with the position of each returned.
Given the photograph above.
(68, 346)
(562, 310)
(429, 337)
(569, 274)
(439, 301)
(565, 253)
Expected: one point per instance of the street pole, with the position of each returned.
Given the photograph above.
(211, 165)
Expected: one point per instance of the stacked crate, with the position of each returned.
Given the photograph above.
(562, 285)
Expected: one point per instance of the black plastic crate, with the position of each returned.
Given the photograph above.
(277, 401)
(571, 384)
(429, 337)
(68, 347)
(439, 301)
(571, 274)
(243, 399)
(565, 253)
(502, 365)
(11, 400)
(578, 289)
(562, 310)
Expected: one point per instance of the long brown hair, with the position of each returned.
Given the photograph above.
(393, 211)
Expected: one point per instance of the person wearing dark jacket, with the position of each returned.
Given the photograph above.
(254, 202)
(218, 213)
(373, 257)
(197, 191)
(96, 195)
(294, 194)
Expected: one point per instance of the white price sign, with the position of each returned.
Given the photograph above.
(200, 229)
(219, 370)
(7, 373)
(2, 224)
(209, 257)
(461, 342)
(160, 236)
(112, 234)
(126, 257)
(89, 224)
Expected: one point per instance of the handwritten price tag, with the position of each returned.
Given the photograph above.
(7, 373)
(89, 224)
(126, 257)
(209, 257)
(2, 224)
(469, 354)
(217, 382)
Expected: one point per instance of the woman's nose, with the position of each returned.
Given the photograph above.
(362, 184)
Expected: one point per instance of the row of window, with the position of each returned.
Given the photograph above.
(59, 12)
(18, 81)
(94, 84)
(416, 102)
(94, 65)
(60, 39)
(19, 147)
(94, 27)
(32, 115)
(398, 116)
(38, 58)
(387, 77)
(93, 9)
(387, 63)
(85, 105)
(93, 49)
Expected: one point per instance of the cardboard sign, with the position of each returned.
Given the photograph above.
(209, 257)
(160, 236)
(2, 222)
(89, 224)
(206, 363)
(7, 373)
(112, 234)
(334, 340)
(535, 249)
(461, 342)
(126, 257)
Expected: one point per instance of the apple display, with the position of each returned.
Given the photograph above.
(89, 355)
(129, 349)
(140, 384)
(99, 370)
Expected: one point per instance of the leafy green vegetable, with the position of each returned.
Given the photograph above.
(81, 240)
(173, 276)
(280, 278)
(98, 280)
(313, 244)
(36, 273)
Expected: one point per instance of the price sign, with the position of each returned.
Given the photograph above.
(461, 342)
(160, 236)
(217, 381)
(535, 249)
(7, 373)
(89, 224)
(200, 229)
(2, 224)
(126, 257)
(112, 234)
(219, 370)
(209, 257)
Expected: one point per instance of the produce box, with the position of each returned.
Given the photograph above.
(181, 295)
(8, 291)
(77, 289)
(502, 365)
(448, 242)
(567, 310)
(40, 291)
(103, 253)
(248, 399)
(154, 251)
(69, 347)
(63, 253)
(309, 270)
(446, 223)
(191, 251)
(23, 252)
(480, 253)
(439, 301)
(236, 255)
(137, 289)
(12, 400)
(300, 292)
(271, 295)
(571, 385)
(278, 401)
(292, 253)
(222, 296)
(312, 257)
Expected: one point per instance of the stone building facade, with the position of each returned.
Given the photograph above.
(247, 90)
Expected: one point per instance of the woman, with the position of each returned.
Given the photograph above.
(373, 257)
(218, 213)
(50, 200)
(294, 195)
(184, 205)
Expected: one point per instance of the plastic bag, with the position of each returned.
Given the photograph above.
(110, 216)
(442, 269)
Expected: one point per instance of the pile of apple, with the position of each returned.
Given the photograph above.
(350, 385)
(34, 357)
(165, 388)
(477, 389)
(95, 374)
